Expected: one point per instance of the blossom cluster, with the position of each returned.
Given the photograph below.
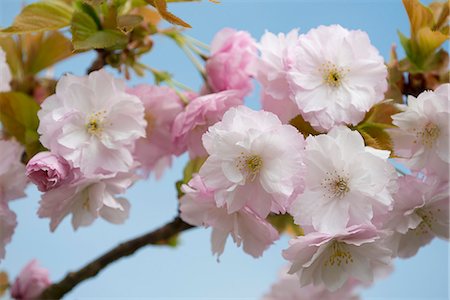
(357, 212)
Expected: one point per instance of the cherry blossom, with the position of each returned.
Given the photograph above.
(31, 282)
(337, 76)
(277, 58)
(162, 105)
(422, 135)
(421, 212)
(199, 114)
(48, 171)
(345, 183)
(254, 161)
(232, 61)
(8, 224)
(288, 288)
(331, 259)
(12, 172)
(87, 199)
(245, 227)
(92, 122)
(5, 73)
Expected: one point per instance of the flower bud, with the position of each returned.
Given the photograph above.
(31, 282)
(48, 171)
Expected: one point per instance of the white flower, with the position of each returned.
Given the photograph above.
(423, 134)
(92, 123)
(277, 58)
(197, 207)
(288, 288)
(345, 183)
(12, 172)
(5, 73)
(337, 76)
(331, 259)
(421, 212)
(254, 161)
(87, 199)
(8, 224)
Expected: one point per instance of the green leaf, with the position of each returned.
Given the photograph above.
(13, 55)
(126, 23)
(406, 44)
(381, 114)
(94, 2)
(41, 16)
(376, 136)
(428, 41)
(192, 167)
(111, 39)
(303, 126)
(89, 10)
(87, 35)
(161, 6)
(285, 224)
(83, 26)
(54, 48)
(18, 114)
(419, 16)
(4, 283)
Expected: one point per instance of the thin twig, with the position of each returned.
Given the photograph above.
(72, 279)
(99, 62)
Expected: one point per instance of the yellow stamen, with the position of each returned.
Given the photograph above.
(339, 255)
(250, 165)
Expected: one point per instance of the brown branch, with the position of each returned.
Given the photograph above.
(72, 279)
(99, 62)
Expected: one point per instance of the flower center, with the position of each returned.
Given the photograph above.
(250, 165)
(339, 255)
(335, 185)
(95, 123)
(428, 218)
(428, 135)
(332, 74)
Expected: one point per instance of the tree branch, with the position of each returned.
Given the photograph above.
(72, 279)
(99, 62)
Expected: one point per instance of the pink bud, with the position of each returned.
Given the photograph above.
(48, 171)
(232, 61)
(31, 282)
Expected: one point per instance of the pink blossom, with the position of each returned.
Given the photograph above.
(199, 114)
(31, 282)
(87, 199)
(337, 76)
(422, 135)
(231, 64)
(48, 171)
(421, 212)
(5, 73)
(288, 288)
(8, 224)
(92, 122)
(331, 259)
(345, 184)
(245, 227)
(254, 161)
(162, 105)
(12, 172)
(277, 58)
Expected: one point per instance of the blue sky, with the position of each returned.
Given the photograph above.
(190, 271)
